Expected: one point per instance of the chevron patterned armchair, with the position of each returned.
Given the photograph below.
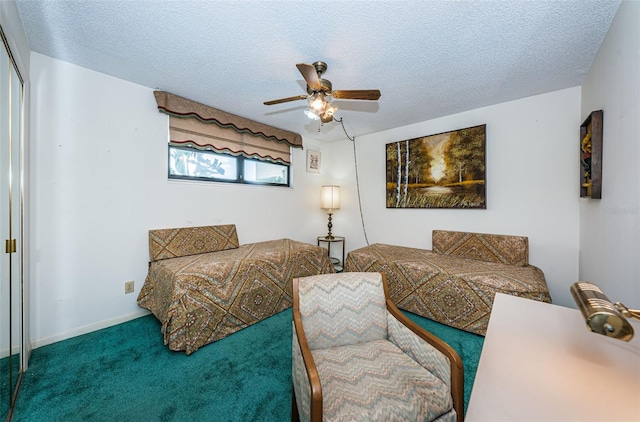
(356, 357)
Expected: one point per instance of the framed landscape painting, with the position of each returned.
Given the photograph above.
(446, 170)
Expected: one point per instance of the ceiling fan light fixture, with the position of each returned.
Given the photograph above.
(320, 108)
(310, 114)
(326, 119)
(317, 103)
(329, 111)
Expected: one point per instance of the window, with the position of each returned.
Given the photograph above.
(212, 145)
(195, 164)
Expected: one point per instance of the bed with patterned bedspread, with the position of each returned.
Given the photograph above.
(456, 282)
(203, 286)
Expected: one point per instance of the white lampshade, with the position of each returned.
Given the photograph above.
(330, 198)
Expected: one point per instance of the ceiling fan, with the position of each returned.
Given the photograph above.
(318, 90)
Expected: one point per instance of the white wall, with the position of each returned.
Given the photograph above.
(100, 183)
(532, 186)
(610, 227)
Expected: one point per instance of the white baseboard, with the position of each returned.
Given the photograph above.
(5, 352)
(88, 328)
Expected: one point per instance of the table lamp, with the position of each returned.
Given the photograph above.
(603, 316)
(330, 200)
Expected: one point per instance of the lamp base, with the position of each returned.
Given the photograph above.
(329, 226)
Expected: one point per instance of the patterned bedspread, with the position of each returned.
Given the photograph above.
(205, 297)
(455, 291)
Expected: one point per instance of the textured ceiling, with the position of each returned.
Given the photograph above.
(428, 58)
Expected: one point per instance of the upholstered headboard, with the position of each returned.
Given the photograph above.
(512, 250)
(172, 243)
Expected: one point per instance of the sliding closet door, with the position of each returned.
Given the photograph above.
(15, 223)
(5, 280)
(11, 112)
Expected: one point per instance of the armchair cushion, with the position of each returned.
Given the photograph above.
(377, 381)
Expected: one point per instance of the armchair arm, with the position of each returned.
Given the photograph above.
(304, 368)
(412, 331)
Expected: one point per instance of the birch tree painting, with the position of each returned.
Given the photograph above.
(446, 170)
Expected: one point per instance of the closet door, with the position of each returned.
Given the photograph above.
(6, 361)
(13, 245)
(11, 100)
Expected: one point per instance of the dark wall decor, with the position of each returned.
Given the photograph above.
(591, 156)
(446, 170)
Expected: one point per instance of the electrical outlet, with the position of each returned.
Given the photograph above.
(128, 287)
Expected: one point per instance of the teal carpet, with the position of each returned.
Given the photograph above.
(125, 373)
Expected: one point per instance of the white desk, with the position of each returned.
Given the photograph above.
(540, 363)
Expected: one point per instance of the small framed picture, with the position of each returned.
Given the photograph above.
(313, 161)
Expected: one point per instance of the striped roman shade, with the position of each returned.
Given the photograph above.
(206, 128)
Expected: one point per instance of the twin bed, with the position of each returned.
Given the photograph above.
(202, 285)
(456, 282)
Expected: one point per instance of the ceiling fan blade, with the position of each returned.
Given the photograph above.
(286, 100)
(310, 75)
(357, 94)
